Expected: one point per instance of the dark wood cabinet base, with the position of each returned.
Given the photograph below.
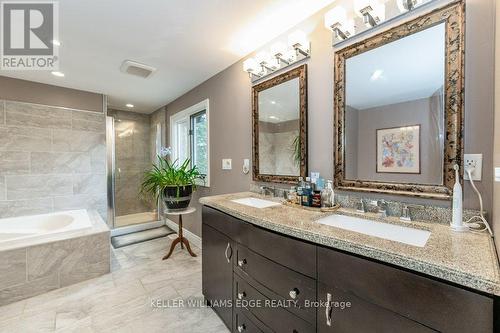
(242, 262)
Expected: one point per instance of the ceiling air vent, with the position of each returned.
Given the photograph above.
(136, 68)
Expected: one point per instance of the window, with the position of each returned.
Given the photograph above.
(189, 138)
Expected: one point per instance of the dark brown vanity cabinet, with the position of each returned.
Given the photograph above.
(325, 290)
(217, 272)
(386, 289)
(342, 312)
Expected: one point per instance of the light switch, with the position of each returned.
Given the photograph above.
(227, 164)
(497, 174)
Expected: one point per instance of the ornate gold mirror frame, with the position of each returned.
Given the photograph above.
(301, 74)
(453, 15)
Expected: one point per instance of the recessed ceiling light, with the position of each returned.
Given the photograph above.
(377, 74)
(60, 74)
(129, 105)
(56, 42)
(274, 118)
(273, 102)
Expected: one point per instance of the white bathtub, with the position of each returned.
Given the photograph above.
(17, 230)
(50, 251)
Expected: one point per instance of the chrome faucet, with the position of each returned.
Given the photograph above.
(405, 214)
(267, 189)
(382, 208)
(360, 206)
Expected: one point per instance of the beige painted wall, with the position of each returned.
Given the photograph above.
(417, 112)
(45, 94)
(230, 110)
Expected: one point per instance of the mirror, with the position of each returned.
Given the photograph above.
(279, 126)
(401, 113)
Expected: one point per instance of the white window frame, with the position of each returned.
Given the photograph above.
(185, 115)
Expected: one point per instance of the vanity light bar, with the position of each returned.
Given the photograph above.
(372, 12)
(279, 57)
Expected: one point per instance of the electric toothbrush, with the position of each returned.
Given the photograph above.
(457, 223)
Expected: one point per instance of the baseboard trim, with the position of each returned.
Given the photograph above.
(192, 238)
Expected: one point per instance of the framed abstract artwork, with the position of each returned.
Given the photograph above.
(398, 149)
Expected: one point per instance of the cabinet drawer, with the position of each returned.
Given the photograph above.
(220, 221)
(280, 282)
(348, 313)
(243, 324)
(295, 254)
(277, 318)
(435, 304)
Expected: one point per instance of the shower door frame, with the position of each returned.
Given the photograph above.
(110, 176)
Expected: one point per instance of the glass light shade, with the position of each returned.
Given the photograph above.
(348, 27)
(298, 37)
(337, 15)
(278, 48)
(290, 55)
(250, 65)
(273, 63)
(262, 57)
(267, 59)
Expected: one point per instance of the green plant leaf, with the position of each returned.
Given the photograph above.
(165, 174)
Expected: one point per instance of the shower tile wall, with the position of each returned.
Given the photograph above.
(51, 159)
(132, 158)
(157, 117)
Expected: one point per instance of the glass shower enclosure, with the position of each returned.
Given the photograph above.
(133, 142)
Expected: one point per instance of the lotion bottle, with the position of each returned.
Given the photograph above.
(457, 206)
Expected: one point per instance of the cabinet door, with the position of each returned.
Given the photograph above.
(340, 311)
(217, 274)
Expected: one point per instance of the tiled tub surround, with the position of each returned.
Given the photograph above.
(467, 259)
(51, 159)
(40, 264)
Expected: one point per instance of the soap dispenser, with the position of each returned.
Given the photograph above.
(327, 195)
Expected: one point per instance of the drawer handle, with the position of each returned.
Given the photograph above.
(241, 328)
(294, 293)
(242, 262)
(328, 311)
(228, 257)
(241, 295)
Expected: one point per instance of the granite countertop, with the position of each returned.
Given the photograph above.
(468, 259)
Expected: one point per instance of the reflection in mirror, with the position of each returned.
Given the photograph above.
(394, 110)
(279, 135)
(279, 117)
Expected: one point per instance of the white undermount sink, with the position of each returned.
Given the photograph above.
(397, 233)
(256, 202)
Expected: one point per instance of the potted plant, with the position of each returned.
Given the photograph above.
(175, 183)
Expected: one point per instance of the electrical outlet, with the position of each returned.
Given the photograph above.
(227, 164)
(475, 161)
(246, 166)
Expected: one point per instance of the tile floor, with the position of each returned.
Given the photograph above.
(122, 301)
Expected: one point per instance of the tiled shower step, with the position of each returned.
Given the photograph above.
(140, 236)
